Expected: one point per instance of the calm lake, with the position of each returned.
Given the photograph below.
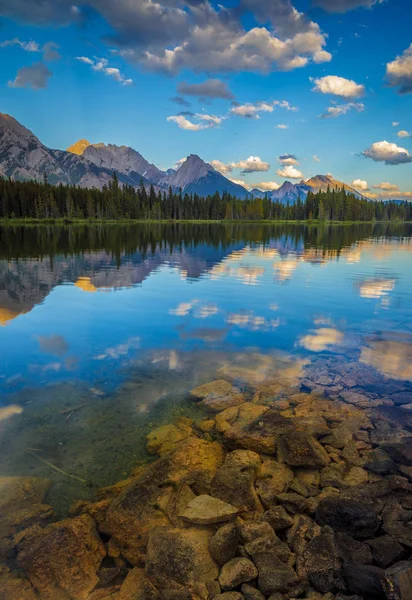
(104, 329)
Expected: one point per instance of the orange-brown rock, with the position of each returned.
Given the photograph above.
(62, 560)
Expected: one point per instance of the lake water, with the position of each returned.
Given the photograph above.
(104, 329)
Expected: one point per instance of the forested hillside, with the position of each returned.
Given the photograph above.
(40, 200)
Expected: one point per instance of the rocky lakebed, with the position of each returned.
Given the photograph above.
(278, 492)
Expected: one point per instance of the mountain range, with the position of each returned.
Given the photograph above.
(24, 157)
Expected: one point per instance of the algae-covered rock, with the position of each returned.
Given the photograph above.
(217, 388)
(62, 560)
(179, 559)
(272, 478)
(234, 481)
(164, 439)
(144, 503)
(216, 404)
(13, 587)
(348, 516)
(235, 572)
(224, 543)
(206, 510)
(299, 449)
(137, 586)
(257, 428)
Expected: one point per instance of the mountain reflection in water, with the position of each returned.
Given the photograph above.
(105, 328)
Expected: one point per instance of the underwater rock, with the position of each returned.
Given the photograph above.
(274, 574)
(206, 510)
(299, 449)
(272, 478)
(143, 504)
(179, 560)
(137, 586)
(257, 428)
(353, 551)
(278, 518)
(218, 388)
(321, 563)
(216, 404)
(15, 588)
(397, 581)
(348, 516)
(234, 481)
(251, 593)
(366, 580)
(224, 543)
(386, 551)
(252, 530)
(164, 439)
(63, 559)
(235, 572)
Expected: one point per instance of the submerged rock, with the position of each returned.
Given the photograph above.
(272, 478)
(63, 559)
(235, 572)
(299, 449)
(206, 510)
(164, 439)
(179, 560)
(348, 516)
(223, 545)
(218, 388)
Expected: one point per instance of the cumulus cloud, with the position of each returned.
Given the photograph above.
(404, 134)
(211, 119)
(342, 6)
(288, 159)
(285, 104)
(338, 86)
(336, 111)
(290, 172)
(50, 51)
(253, 164)
(212, 88)
(251, 111)
(399, 72)
(35, 76)
(102, 65)
(265, 186)
(282, 126)
(237, 181)
(221, 167)
(184, 123)
(385, 185)
(360, 184)
(389, 153)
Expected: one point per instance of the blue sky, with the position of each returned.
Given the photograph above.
(116, 66)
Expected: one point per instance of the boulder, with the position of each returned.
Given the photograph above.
(299, 449)
(257, 428)
(365, 580)
(353, 551)
(216, 404)
(400, 453)
(348, 516)
(251, 593)
(272, 478)
(63, 558)
(320, 562)
(206, 510)
(220, 387)
(234, 481)
(251, 530)
(274, 574)
(397, 581)
(301, 532)
(164, 439)
(386, 551)
(137, 586)
(178, 559)
(224, 543)
(143, 504)
(235, 572)
(278, 518)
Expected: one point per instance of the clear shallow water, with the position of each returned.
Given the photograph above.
(104, 329)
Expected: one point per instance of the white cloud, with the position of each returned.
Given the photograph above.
(338, 86)
(238, 181)
(290, 172)
(336, 111)
(385, 185)
(282, 126)
(251, 111)
(316, 158)
(184, 123)
(360, 184)
(265, 186)
(395, 123)
(288, 159)
(389, 153)
(101, 64)
(221, 167)
(252, 164)
(212, 119)
(404, 134)
(399, 72)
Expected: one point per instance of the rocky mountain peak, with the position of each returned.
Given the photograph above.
(9, 124)
(79, 147)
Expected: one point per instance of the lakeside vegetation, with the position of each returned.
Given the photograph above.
(39, 201)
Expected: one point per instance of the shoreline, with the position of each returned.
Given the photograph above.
(89, 222)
